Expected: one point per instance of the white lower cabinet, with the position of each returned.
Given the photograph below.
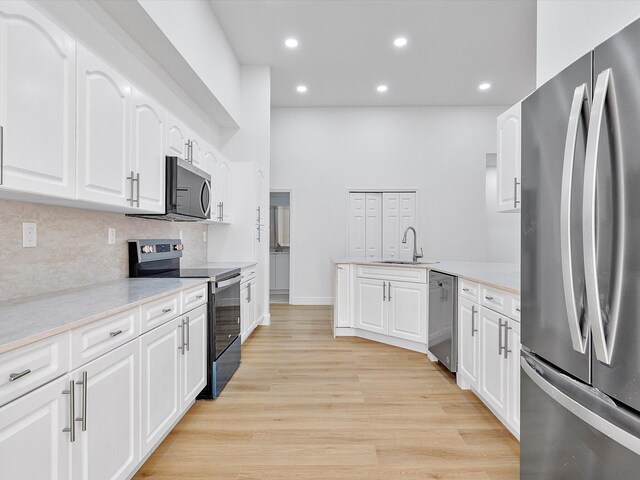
(107, 393)
(492, 385)
(342, 308)
(248, 311)
(468, 342)
(513, 369)
(32, 443)
(371, 305)
(193, 367)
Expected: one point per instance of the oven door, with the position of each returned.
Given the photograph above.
(226, 313)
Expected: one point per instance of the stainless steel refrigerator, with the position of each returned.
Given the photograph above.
(580, 375)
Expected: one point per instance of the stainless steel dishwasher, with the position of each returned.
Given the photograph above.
(443, 309)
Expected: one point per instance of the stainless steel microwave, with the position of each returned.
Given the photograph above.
(187, 193)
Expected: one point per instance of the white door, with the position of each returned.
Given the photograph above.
(160, 382)
(408, 207)
(32, 443)
(468, 336)
(357, 220)
(408, 311)
(373, 226)
(342, 309)
(176, 137)
(147, 151)
(513, 360)
(37, 103)
(109, 445)
(371, 305)
(391, 234)
(508, 160)
(104, 164)
(493, 372)
(194, 357)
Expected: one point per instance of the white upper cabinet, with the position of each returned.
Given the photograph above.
(176, 137)
(104, 173)
(357, 219)
(373, 226)
(147, 150)
(220, 191)
(37, 103)
(197, 149)
(509, 153)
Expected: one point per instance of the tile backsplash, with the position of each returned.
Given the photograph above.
(72, 247)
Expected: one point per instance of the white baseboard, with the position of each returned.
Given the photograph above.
(396, 342)
(431, 356)
(265, 320)
(344, 332)
(311, 300)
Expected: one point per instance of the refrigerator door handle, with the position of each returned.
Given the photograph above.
(588, 415)
(579, 111)
(603, 342)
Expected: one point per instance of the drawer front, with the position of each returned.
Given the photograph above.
(29, 367)
(194, 297)
(248, 274)
(156, 313)
(497, 300)
(469, 290)
(514, 307)
(100, 337)
(401, 274)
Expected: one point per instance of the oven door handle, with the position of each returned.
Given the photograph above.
(229, 281)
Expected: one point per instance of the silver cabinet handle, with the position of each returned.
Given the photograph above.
(259, 219)
(488, 297)
(167, 310)
(389, 291)
(71, 429)
(15, 376)
(500, 347)
(473, 321)
(506, 339)
(137, 180)
(465, 289)
(384, 291)
(115, 334)
(131, 179)
(198, 297)
(83, 418)
(182, 343)
(222, 216)
(515, 192)
(518, 310)
(188, 326)
(603, 342)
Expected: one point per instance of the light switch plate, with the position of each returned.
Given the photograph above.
(29, 235)
(112, 236)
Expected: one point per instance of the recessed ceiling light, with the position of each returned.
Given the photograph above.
(484, 86)
(291, 42)
(382, 88)
(400, 42)
(301, 89)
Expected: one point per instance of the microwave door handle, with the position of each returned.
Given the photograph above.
(206, 192)
(579, 111)
(172, 183)
(603, 342)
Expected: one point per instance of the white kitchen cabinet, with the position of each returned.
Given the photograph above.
(107, 442)
(220, 190)
(508, 159)
(513, 369)
(371, 305)
(148, 151)
(194, 355)
(373, 226)
(160, 382)
(342, 304)
(104, 164)
(398, 213)
(32, 443)
(407, 311)
(176, 144)
(492, 381)
(197, 149)
(37, 103)
(248, 311)
(357, 221)
(468, 341)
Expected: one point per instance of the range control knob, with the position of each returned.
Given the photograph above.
(148, 249)
(178, 247)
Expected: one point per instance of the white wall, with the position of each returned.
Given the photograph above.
(321, 153)
(502, 229)
(567, 29)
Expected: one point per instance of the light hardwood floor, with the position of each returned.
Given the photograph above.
(306, 406)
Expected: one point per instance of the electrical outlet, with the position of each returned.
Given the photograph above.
(111, 240)
(29, 235)
(204, 236)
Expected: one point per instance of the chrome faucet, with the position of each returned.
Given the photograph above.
(415, 243)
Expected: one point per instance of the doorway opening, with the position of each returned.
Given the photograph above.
(279, 246)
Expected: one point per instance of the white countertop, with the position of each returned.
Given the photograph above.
(504, 276)
(28, 320)
(230, 265)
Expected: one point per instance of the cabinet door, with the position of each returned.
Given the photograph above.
(373, 226)
(32, 443)
(37, 103)
(221, 211)
(253, 306)
(342, 309)
(104, 166)
(408, 311)
(176, 138)
(109, 447)
(357, 231)
(493, 372)
(371, 305)
(391, 234)
(197, 150)
(147, 151)
(194, 358)
(513, 360)
(408, 207)
(468, 336)
(508, 160)
(160, 382)
(245, 318)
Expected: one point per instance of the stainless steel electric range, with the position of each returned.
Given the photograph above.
(161, 258)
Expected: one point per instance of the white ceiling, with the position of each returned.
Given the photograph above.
(346, 49)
